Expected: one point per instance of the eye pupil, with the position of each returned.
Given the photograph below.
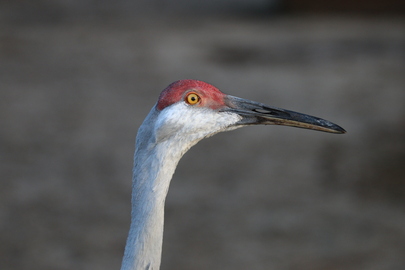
(192, 99)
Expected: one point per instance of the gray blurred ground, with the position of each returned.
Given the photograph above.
(73, 93)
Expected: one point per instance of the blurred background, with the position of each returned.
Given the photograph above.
(78, 77)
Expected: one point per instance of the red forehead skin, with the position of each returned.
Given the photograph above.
(210, 96)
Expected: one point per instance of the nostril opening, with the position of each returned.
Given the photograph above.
(265, 111)
(272, 112)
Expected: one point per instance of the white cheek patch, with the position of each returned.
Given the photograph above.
(192, 123)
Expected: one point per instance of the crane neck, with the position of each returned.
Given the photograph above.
(153, 169)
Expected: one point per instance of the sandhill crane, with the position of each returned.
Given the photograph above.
(186, 112)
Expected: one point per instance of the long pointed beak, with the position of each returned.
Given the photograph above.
(254, 113)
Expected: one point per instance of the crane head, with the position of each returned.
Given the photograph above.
(192, 110)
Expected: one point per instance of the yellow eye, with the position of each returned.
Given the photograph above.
(192, 98)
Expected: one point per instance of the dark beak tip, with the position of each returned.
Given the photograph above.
(336, 129)
(341, 130)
